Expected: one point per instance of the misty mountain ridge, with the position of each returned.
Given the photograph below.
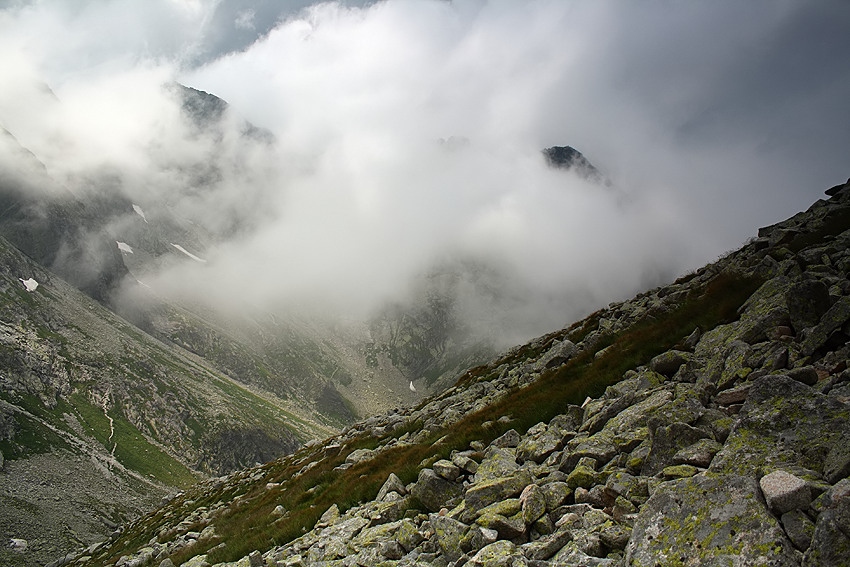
(182, 385)
(701, 421)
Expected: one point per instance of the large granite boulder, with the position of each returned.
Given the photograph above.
(433, 491)
(708, 519)
(784, 425)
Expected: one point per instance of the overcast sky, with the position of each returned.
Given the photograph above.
(709, 118)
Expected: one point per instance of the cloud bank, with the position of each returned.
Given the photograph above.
(711, 119)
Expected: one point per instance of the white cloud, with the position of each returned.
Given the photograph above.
(711, 119)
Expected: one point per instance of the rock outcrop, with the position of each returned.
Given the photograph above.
(725, 445)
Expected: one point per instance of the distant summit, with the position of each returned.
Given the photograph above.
(569, 158)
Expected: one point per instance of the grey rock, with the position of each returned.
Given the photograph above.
(508, 527)
(509, 439)
(805, 374)
(784, 492)
(736, 395)
(433, 491)
(668, 363)
(359, 456)
(799, 528)
(487, 492)
(831, 540)
(667, 441)
(572, 557)
(498, 554)
(559, 354)
(807, 301)
(783, 425)
(832, 320)
(449, 533)
(546, 547)
(692, 339)
(615, 537)
(708, 520)
(700, 454)
(392, 484)
(255, 558)
(446, 469)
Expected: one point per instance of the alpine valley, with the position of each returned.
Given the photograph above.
(702, 422)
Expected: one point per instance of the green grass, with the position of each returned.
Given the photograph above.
(131, 448)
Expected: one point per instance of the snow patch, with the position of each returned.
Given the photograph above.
(412, 388)
(124, 247)
(29, 284)
(140, 212)
(189, 254)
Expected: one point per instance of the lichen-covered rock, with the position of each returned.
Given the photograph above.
(546, 547)
(555, 493)
(679, 471)
(433, 491)
(407, 535)
(484, 493)
(831, 322)
(799, 528)
(582, 476)
(599, 446)
(449, 534)
(708, 520)
(831, 540)
(667, 441)
(668, 363)
(498, 462)
(536, 447)
(765, 310)
(533, 502)
(499, 554)
(837, 463)
(808, 300)
(783, 425)
(698, 454)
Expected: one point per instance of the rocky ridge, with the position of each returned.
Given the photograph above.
(725, 445)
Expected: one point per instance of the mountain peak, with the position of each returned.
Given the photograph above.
(570, 159)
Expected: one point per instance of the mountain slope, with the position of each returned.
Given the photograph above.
(703, 422)
(83, 390)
